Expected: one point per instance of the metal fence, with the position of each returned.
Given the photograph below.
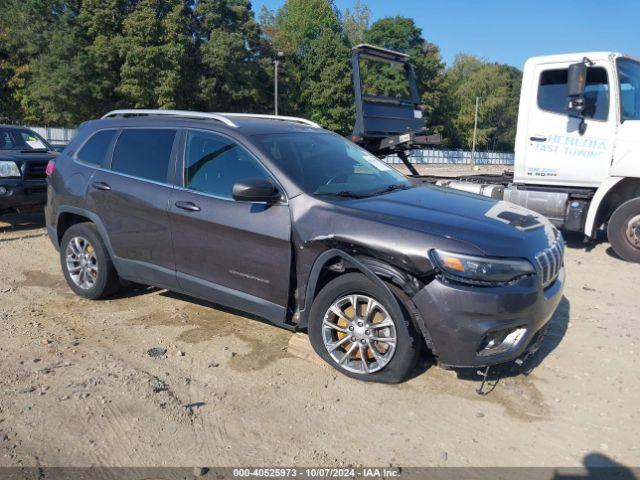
(62, 136)
(456, 157)
(55, 135)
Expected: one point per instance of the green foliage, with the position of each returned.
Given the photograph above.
(230, 75)
(356, 22)
(498, 87)
(316, 66)
(155, 48)
(65, 61)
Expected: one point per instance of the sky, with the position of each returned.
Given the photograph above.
(511, 31)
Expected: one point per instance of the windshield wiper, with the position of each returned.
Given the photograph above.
(342, 193)
(390, 188)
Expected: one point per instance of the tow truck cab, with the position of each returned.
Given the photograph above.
(577, 151)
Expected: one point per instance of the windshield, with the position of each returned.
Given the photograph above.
(21, 139)
(327, 164)
(629, 76)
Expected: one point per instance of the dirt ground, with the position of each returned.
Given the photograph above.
(79, 388)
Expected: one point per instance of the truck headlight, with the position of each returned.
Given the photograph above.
(480, 270)
(9, 169)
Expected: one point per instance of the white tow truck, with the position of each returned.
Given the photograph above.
(577, 151)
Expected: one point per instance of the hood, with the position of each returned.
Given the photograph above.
(18, 156)
(497, 228)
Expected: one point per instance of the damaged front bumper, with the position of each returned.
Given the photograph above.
(473, 326)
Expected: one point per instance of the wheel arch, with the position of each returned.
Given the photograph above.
(609, 196)
(69, 216)
(392, 280)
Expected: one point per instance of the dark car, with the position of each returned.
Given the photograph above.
(23, 161)
(299, 226)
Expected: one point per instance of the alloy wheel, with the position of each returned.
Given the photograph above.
(82, 262)
(359, 334)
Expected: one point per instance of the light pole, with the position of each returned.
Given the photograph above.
(475, 131)
(276, 63)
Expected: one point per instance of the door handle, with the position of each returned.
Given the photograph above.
(101, 186)
(189, 206)
(538, 139)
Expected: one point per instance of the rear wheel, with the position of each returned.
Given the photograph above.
(86, 264)
(356, 329)
(624, 230)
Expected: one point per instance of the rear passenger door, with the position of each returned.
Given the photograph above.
(226, 251)
(131, 197)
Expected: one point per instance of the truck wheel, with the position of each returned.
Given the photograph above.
(354, 328)
(86, 264)
(624, 230)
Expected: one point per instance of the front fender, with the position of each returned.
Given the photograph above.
(323, 260)
(596, 202)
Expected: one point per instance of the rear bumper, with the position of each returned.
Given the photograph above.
(459, 318)
(22, 194)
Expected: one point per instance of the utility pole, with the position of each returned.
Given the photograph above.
(275, 93)
(475, 131)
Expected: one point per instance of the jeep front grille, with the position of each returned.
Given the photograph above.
(550, 261)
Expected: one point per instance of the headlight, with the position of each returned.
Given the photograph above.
(9, 169)
(480, 270)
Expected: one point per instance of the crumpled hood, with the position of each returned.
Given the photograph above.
(497, 228)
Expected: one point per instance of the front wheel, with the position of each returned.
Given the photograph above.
(624, 230)
(355, 328)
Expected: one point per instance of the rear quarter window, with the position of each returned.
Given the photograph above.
(95, 150)
(144, 153)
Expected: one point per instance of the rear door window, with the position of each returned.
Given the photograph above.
(95, 150)
(144, 153)
(213, 164)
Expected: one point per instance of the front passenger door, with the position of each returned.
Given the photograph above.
(229, 252)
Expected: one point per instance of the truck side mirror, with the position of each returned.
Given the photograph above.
(576, 81)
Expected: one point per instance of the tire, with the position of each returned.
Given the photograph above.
(390, 363)
(86, 263)
(624, 230)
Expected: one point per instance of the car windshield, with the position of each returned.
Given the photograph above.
(327, 164)
(22, 139)
(629, 76)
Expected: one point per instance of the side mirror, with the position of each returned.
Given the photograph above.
(255, 190)
(576, 82)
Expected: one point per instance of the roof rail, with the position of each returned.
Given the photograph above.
(175, 113)
(273, 117)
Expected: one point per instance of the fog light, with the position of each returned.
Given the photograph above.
(500, 341)
(3, 190)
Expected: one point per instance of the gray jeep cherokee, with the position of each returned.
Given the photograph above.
(279, 218)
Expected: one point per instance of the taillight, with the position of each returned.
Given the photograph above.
(51, 166)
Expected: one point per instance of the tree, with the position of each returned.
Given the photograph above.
(316, 63)
(101, 22)
(9, 108)
(402, 34)
(231, 77)
(356, 22)
(155, 45)
(498, 87)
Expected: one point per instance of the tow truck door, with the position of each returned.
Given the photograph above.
(549, 147)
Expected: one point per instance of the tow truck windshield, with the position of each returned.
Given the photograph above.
(629, 76)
